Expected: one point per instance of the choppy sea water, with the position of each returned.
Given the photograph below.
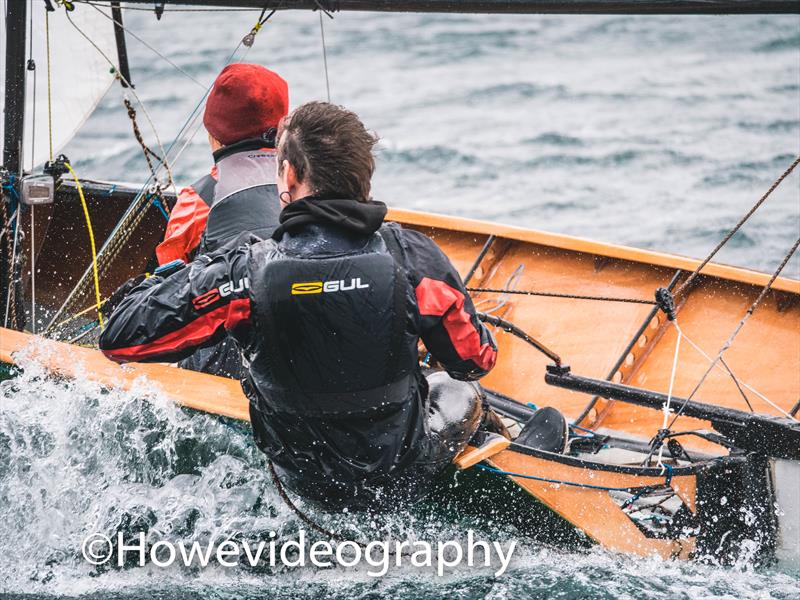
(656, 132)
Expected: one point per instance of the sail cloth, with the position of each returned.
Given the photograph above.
(80, 76)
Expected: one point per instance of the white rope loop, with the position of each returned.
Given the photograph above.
(666, 407)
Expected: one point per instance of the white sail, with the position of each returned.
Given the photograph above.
(80, 76)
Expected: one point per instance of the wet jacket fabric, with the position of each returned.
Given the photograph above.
(328, 314)
(238, 196)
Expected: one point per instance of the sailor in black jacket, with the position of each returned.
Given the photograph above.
(328, 314)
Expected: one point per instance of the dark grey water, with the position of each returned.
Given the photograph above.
(656, 132)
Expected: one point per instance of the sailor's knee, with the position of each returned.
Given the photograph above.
(455, 408)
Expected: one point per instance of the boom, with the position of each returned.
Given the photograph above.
(651, 7)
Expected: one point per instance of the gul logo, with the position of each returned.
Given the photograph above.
(223, 291)
(318, 287)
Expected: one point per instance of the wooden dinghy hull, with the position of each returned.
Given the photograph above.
(629, 342)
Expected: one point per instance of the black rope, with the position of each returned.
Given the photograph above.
(516, 331)
(558, 295)
(736, 228)
(300, 514)
(147, 154)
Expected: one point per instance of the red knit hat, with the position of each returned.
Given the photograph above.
(246, 101)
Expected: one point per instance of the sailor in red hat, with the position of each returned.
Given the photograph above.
(239, 196)
(242, 112)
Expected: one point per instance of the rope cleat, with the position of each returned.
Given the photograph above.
(666, 302)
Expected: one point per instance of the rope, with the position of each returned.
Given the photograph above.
(300, 514)
(736, 228)
(146, 45)
(132, 90)
(738, 328)
(510, 286)
(557, 295)
(11, 295)
(147, 154)
(7, 220)
(79, 314)
(91, 241)
(742, 383)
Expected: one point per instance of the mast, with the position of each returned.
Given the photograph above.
(16, 15)
(652, 7)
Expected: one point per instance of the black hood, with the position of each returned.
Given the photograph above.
(364, 218)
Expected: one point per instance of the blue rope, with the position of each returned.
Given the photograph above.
(569, 483)
(584, 429)
(157, 203)
(669, 474)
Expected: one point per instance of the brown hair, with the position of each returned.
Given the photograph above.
(330, 147)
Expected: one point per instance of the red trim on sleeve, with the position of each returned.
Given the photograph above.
(192, 334)
(436, 298)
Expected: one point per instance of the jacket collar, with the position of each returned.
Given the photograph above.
(243, 146)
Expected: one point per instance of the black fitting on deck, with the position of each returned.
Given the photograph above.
(56, 167)
(558, 369)
(666, 302)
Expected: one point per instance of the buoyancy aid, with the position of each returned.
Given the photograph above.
(335, 329)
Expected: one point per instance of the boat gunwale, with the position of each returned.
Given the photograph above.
(588, 246)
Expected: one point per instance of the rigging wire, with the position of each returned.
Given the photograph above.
(738, 328)
(730, 372)
(147, 45)
(171, 182)
(325, 53)
(49, 84)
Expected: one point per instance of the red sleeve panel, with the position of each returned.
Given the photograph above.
(437, 299)
(187, 222)
(448, 324)
(192, 335)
